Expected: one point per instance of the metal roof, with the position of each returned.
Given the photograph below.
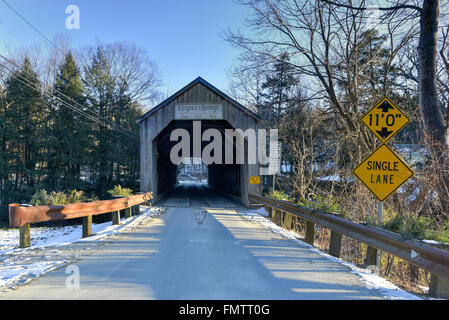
(190, 85)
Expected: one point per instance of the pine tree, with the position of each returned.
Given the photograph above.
(278, 85)
(100, 85)
(26, 112)
(70, 132)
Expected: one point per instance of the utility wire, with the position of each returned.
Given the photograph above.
(41, 34)
(29, 84)
(54, 90)
(113, 125)
(31, 25)
(64, 53)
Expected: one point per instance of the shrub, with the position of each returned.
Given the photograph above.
(324, 204)
(279, 195)
(76, 196)
(41, 197)
(119, 191)
(417, 228)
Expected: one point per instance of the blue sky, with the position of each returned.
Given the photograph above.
(183, 37)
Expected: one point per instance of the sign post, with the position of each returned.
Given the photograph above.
(383, 172)
(380, 207)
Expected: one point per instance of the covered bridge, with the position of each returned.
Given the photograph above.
(198, 101)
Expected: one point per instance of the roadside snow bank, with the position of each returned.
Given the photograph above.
(369, 279)
(18, 266)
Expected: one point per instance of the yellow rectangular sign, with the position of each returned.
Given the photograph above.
(254, 180)
(383, 172)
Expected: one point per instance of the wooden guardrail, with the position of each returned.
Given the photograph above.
(417, 253)
(24, 216)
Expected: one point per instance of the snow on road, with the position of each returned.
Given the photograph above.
(368, 278)
(18, 266)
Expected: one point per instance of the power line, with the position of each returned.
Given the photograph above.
(64, 53)
(69, 98)
(31, 25)
(55, 90)
(64, 103)
(42, 35)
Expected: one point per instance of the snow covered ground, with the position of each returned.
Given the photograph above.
(18, 266)
(368, 278)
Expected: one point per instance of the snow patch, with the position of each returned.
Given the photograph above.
(20, 265)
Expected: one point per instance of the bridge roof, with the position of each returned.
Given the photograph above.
(207, 85)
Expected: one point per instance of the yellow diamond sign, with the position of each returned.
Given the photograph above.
(385, 120)
(383, 172)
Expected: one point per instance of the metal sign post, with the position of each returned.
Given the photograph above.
(380, 207)
(383, 172)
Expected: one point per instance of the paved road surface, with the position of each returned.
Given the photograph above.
(200, 249)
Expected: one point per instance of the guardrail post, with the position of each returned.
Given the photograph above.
(87, 226)
(288, 221)
(128, 213)
(274, 215)
(335, 244)
(116, 217)
(25, 236)
(439, 287)
(269, 210)
(335, 240)
(371, 256)
(310, 233)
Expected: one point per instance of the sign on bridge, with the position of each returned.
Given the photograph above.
(254, 180)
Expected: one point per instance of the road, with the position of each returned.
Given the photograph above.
(200, 249)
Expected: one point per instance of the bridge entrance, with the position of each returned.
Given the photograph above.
(192, 170)
(194, 110)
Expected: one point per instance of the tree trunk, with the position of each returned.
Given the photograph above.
(427, 68)
(435, 130)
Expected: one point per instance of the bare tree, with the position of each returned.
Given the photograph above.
(436, 126)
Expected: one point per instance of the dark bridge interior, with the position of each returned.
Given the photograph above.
(223, 178)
